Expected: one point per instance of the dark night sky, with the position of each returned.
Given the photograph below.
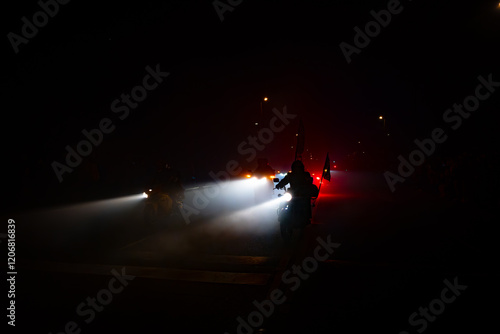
(65, 78)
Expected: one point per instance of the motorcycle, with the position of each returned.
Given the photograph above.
(161, 207)
(293, 215)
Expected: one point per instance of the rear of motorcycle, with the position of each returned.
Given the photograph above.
(293, 217)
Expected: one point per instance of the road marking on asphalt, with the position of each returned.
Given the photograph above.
(152, 272)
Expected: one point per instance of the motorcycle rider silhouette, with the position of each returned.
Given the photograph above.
(302, 189)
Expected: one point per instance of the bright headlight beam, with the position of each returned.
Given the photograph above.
(81, 212)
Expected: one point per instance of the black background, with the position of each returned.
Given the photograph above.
(65, 78)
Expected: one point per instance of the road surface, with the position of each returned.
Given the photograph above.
(368, 262)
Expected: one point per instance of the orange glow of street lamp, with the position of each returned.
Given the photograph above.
(265, 99)
(380, 117)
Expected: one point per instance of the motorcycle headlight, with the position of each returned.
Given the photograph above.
(144, 195)
(287, 197)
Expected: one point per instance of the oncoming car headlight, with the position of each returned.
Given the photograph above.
(146, 193)
(287, 197)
